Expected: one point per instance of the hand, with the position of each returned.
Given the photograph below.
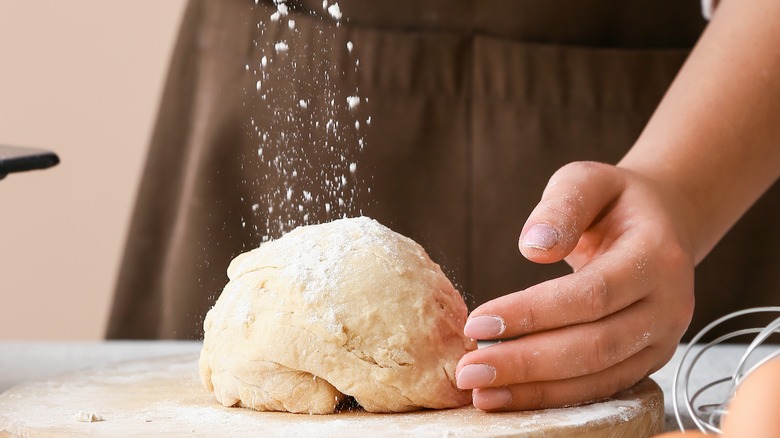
(616, 319)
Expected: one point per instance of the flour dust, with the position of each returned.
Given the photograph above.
(307, 120)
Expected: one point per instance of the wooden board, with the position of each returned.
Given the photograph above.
(164, 397)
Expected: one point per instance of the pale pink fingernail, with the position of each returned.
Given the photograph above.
(476, 376)
(484, 327)
(492, 398)
(540, 236)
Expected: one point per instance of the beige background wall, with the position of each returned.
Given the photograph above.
(81, 77)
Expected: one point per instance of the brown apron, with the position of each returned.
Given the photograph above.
(464, 110)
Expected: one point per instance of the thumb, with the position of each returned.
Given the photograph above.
(574, 198)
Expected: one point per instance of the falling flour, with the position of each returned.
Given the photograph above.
(281, 47)
(335, 11)
(307, 121)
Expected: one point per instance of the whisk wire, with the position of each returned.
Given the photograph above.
(707, 416)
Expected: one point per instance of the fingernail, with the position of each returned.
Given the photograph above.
(492, 398)
(484, 327)
(540, 236)
(476, 376)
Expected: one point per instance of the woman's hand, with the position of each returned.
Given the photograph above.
(617, 318)
(634, 232)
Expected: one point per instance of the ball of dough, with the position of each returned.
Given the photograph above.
(346, 308)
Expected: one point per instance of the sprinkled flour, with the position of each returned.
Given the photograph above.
(167, 398)
(307, 123)
(335, 11)
(318, 264)
(281, 47)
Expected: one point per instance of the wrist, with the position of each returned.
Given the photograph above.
(677, 204)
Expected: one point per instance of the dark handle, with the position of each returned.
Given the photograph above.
(20, 159)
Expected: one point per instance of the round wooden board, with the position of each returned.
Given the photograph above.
(164, 397)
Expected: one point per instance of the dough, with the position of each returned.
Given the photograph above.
(87, 417)
(343, 308)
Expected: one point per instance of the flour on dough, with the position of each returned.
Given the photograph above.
(346, 308)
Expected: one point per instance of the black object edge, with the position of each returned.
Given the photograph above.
(20, 159)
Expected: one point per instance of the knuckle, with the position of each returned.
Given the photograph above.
(677, 258)
(523, 366)
(604, 352)
(664, 357)
(536, 396)
(529, 321)
(606, 387)
(565, 208)
(678, 261)
(597, 296)
(685, 314)
(577, 168)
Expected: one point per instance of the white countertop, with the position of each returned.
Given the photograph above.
(22, 362)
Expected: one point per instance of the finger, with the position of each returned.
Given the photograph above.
(561, 354)
(568, 392)
(616, 280)
(574, 197)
